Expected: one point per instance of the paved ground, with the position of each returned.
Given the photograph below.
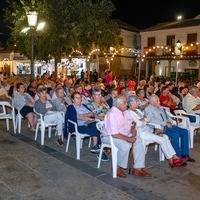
(29, 171)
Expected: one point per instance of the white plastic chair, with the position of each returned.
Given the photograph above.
(191, 126)
(6, 115)
(79, 139)
(177, 120)
(43, 125)
(110, 145)
(18, 122)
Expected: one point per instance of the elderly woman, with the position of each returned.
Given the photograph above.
(146, 133)
(84, 117)
(24, 103)
(143, 102)
(60, 102)
(98, 105)
(49, 112)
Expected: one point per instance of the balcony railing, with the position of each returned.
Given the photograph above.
(187, 49)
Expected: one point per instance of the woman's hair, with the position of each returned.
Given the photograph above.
(96, 89)
(41, 89)
(138, 91)
(131, 99)
(74, 93)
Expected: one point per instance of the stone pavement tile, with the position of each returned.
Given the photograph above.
(164, 184)
(184, 188)
(6, 192)
(23, 180)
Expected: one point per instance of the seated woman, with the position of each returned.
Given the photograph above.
(60, 102)
(98, 105)
(49, 112)
(142, 101)
(32, 88)
(84, 117)
(24, 103)
(146, 133)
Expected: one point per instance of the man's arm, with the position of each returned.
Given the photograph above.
(197, 107)
(131, 138)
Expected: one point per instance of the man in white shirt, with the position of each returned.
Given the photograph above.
(190, 101)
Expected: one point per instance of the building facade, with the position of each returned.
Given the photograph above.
(172, 49)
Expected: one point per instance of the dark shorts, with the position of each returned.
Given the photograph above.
(25, 110)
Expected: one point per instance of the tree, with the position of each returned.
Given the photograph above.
(70, 24)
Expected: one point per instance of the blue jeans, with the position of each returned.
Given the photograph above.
(175, 133)
(90, 129)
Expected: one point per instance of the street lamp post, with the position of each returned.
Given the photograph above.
(34, 27)
(179, 47)
(32, 22)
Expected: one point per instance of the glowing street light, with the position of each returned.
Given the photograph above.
(32, 17)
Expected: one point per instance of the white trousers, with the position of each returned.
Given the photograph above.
(163, 141)
(55, 118)
(124, 149)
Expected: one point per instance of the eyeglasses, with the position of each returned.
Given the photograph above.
(77, 97)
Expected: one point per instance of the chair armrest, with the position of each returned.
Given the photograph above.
(74, 123)
(155, 125)
(197, 117)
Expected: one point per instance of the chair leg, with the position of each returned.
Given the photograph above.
(191, 140)
(14, 126)
(36, 130)
(68, 141)
(114, 162)
(79, 143)
(49, 131)
(100, 154)
(19, 123)
(42, 134)
(161, 154)
(90, 141)
(156, 147)
(7, 124)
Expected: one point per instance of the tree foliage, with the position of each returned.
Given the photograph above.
(70, 24)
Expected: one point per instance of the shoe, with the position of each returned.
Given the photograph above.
(104, 157)
(141, 173)
(189, 159)
(60, 142)
(120, 172)
(177, 162)
(95, 149)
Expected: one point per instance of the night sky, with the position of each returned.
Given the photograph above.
(141, 14)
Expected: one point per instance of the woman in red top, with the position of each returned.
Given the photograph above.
(166, 99)
(131, 84)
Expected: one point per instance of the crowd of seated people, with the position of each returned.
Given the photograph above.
(84, 101)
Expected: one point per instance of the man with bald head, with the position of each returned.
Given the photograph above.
(157, 115)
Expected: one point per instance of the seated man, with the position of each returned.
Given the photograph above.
(190, 101)
(157, 115)
(118, 123)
